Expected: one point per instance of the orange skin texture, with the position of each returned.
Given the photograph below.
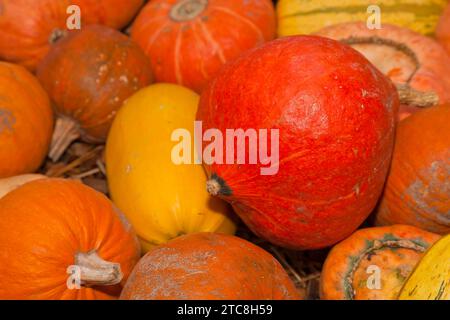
(26, 26)
(433, 74)
(207, 266)
(394, 263)
(191, 52)
(26, 121)
(417, 190)
(336, 132)
(111, 69)
(44, 224)
(443, 29)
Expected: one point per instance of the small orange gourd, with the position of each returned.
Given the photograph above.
(60, 239)
(373, 263)
(417, 190)
(26, 121)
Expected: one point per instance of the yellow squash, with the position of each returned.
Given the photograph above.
(430, 280)
(161, 199)
(309, 16)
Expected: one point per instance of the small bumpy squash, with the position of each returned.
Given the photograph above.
(430, 280)
(60, 239)
(26, 121)
(373, 263)
(207, 266)
(306, 16)
(162, 200)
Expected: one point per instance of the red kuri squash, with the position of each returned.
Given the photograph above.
(405, 56)
(88, 75)
(336, 132)
(29, 27)
(60, 239)
(26, 121)
(417, 190)
(208, 266)
(189, 40)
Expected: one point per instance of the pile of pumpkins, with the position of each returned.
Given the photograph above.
(363, 119)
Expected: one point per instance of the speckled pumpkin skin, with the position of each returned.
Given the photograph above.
(336, 123)
(90, 73)
(208, 266)
(349, 268)
(418, 186)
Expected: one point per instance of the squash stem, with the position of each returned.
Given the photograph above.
(66, 131)
(412, 97)
(96, 271)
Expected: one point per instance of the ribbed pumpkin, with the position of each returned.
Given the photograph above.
(189, 40)
(26, 121)
(9, 184)
(162, 199)
(88, 75)
(335, 125)
(417, 190)
(29, 27)
(373, 263)
(55, 234)
(405, 56)
(207, 266)
(443, 29)
(306, 16)
(430, 280)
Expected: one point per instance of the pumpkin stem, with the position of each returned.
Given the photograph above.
(412, 97)
(213, 187)
(187, 9)
(216, 186)
(96, 271)
(66, 131)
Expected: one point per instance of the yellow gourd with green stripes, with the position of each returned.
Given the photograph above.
(309, 16)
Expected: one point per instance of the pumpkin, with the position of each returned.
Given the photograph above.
(26, 121)
(189, 40)
(60, 239)
(111, 68)
(373, 263)
(328, 160)
(405, 56)
(430, 280)
(417, 190)
(207, 266)
(47, 21)
(306, 16)
(9, 184)
(443, 29)
(161, 198)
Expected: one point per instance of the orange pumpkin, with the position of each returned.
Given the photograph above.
(29, 27)
(26, 121)
(189, 40)
(57, 234)
(373, 263)
(208, 266)
(87, 89)
(417, 190)
(443, 29)
(405, 56)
